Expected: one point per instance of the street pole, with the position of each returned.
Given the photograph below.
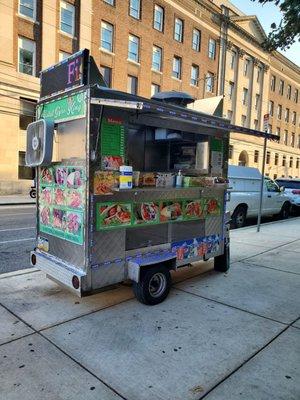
(262, 184)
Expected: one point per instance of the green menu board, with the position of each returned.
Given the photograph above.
(112, 139)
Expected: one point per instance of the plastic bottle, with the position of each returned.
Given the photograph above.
(179, 179)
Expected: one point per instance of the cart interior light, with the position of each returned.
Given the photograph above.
(75, 282)
(33, 259)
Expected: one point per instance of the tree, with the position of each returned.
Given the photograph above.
(288, 30)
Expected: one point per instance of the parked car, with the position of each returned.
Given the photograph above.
(292, 190)
(244, 195)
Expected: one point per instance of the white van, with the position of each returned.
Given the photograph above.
(244, 194)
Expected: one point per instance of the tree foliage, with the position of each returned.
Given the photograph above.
(282, 36)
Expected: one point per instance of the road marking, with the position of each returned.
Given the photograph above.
(16, 229)
(17, 240)
(10, 215)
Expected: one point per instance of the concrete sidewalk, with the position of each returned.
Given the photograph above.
(218, 336)
(16, 199)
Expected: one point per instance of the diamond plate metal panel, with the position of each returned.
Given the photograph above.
(66, 251)
(213, 225)
(108, 245)
(108, 275)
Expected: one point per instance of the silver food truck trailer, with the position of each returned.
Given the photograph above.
(127, 187)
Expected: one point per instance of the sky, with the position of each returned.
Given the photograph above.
(267, 14)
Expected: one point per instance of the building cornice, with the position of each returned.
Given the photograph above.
(280, 57)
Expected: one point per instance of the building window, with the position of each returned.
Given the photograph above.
(289, 92)
(287, 115)
(243, 120)
(270, 128)
(257, 100)
(297, 163)
(132, 84)
(279, 111)
(246, 66)
(155, 88)
(24, 172)
(67, 18)
(229, 115)
(230, 152)
(232, 59)
(194, 75)
(281, 87)
(291, 162)
(245, 96)
(256, 156)
(283, 161)
(107, 35)
(271, 108)
(156, 58)
(294, 118)
(63, 55)
(178, 30)
(28, 8)
(133, 48)
(27, 56)
(27, 113)
(278, 131)
(212, 49)
(135, 8)
(273, 83)
(176, 73)
(107, 74)
(110, 2)
(296, 96)
(293, 139)
(158, 20)
(259, 69)
(256, 124)
(231, 89)
(210, 82)
(196, 39)
(276, 158)
(268, 157)
(285, 137)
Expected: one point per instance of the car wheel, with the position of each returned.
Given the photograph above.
(238, 218)
(285, 211)
(154, 285)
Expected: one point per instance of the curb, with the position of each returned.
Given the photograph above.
(18, 272)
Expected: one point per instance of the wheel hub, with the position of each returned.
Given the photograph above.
(157, 284)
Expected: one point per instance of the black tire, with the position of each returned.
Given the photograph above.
(222, 262)
(32, 193)
(238, 218)
(154, 285)
(285, 211)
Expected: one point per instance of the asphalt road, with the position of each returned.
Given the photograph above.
(17, 237)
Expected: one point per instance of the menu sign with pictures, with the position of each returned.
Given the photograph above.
(61, 202)
(112, 144)
(130, 214)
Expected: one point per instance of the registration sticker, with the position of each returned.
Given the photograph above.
(43, 244)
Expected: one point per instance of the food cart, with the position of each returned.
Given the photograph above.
(127, 187)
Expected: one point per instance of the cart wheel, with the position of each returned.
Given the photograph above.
(222, 262)
(154, 285)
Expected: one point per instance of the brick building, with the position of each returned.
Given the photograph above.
(141, 46)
